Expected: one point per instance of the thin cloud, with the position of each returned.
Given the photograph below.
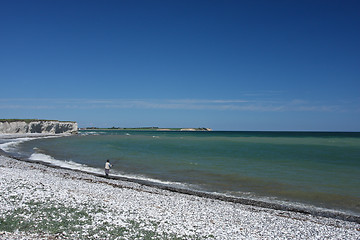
(175, 104)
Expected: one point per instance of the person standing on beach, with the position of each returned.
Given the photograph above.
(107, 167)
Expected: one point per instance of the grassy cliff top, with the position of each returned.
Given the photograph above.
(30, 120)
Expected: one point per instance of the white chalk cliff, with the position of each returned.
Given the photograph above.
(53, 127)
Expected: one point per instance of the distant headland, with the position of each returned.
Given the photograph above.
(149, 129)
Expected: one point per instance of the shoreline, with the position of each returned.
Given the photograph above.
(288, 206)
(216, 216)
(276, 205)
(176, 214)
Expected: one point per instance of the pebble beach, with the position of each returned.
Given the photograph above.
(41, 202)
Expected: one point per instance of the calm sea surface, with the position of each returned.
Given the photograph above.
(321, 169)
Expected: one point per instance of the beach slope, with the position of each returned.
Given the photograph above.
(41, 202)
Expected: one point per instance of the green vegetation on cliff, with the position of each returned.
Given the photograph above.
(30, 120)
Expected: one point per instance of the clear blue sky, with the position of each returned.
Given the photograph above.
(227, 65)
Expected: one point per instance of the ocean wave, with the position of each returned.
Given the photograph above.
(151, 180)
(88, 133)
(38, 156)
(11, 145)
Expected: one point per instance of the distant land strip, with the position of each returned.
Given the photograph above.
(149, 129)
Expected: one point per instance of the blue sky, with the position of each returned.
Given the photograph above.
(227, 65)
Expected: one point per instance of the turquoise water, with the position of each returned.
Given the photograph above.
(322, 169)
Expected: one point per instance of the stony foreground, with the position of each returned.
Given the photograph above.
(39, 202)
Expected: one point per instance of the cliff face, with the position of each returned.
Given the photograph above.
(52, 127)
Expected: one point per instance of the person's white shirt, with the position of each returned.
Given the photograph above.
(107, 165)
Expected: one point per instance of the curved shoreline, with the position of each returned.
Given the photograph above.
(314, 211)
(41, 201)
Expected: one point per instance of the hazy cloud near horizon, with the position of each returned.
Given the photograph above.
(253, 104)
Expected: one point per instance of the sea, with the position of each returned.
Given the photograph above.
(320, 169)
